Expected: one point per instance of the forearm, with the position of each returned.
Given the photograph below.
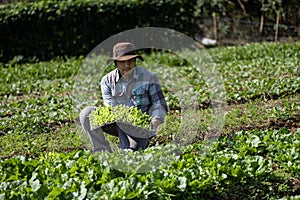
(158, 115)
(158, 112)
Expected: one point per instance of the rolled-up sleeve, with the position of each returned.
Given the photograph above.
(159, 106)
(106, 90)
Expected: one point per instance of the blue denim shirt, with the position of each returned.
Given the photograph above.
(142, 90)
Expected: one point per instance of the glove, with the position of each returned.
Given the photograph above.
(155, 122)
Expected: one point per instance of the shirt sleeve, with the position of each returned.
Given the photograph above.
(106, 90)
(159, 106)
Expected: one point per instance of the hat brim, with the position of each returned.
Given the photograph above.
(123, 58)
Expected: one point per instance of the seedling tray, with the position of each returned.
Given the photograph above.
(112, 129)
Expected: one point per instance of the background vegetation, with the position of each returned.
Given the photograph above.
(44, 155)
(49, 28)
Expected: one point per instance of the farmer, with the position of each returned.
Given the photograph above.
(129, 85)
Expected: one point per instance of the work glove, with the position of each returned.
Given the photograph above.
(155, 122)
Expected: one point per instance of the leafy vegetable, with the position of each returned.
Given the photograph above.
(103, 115)
(251, 164)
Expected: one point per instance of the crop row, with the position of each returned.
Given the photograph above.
(34, 115)
(33, 125)
(35, 96)
(17, 78)
(251, 164)
(255, 71)
(271, 72)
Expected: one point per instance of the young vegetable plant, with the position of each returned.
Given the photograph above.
(120, 113)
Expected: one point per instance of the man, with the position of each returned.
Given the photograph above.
(128, 85)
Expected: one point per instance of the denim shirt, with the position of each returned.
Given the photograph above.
(142, 90)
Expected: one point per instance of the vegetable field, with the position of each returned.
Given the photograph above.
(45, 155)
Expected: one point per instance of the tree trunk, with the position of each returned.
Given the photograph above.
(261, 18)
(215, 26)
(261, 27)
(243, 7)
(277, 26)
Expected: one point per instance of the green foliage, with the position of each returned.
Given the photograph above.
(262, 87)
(35, 115)
(38, 77)
(265, 71)
(58, 28)
(36, 97)
(254, 164)
(254, 71)
(104, 115)
(53, 28)
(273, 6)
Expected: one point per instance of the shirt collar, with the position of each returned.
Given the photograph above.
(118, 75)
(135, 73)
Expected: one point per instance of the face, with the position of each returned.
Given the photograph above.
(126, 67)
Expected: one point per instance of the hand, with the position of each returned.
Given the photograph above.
(155, 122)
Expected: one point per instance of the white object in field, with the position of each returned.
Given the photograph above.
(208, 41)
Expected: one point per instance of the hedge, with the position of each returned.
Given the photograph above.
(45, 29)
(50, 28)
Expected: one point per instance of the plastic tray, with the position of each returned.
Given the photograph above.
(128, 128)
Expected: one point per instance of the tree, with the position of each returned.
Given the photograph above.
(271, 7)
